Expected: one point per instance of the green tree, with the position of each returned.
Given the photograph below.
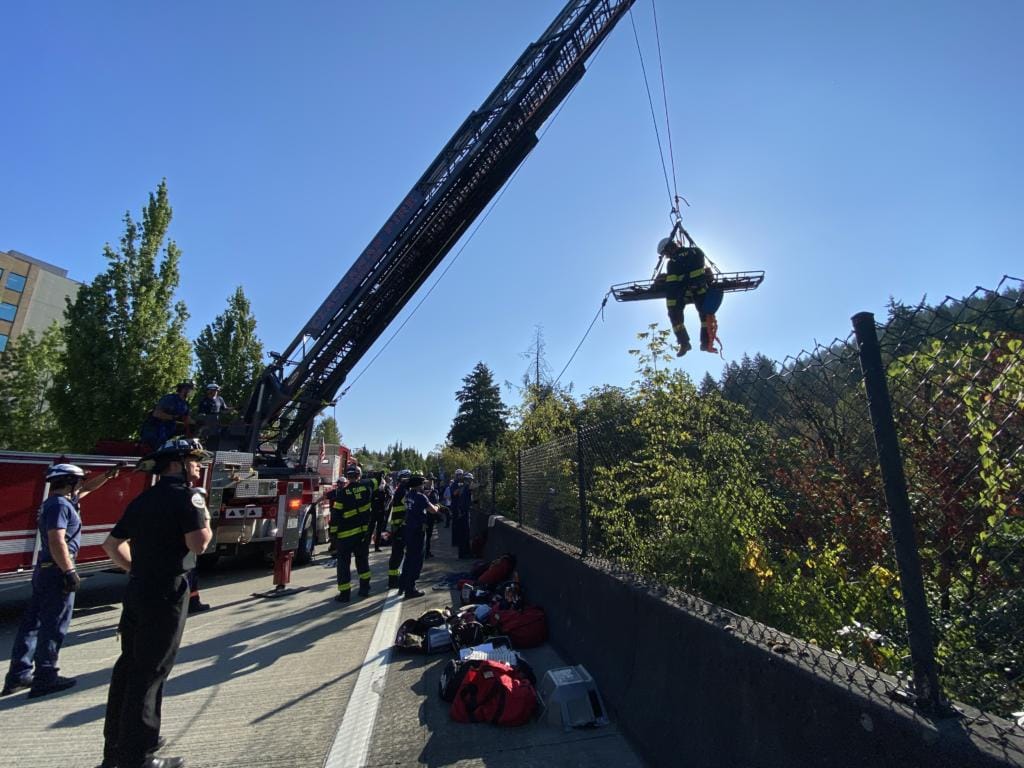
(481, 415)
(124, 337)
(327, 430)
(27, 370)
(228, 352)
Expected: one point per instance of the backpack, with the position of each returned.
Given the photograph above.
(492, 692)
(427, 634)
(467, 631)
(526, 628)
(411, 636)
(499, 570)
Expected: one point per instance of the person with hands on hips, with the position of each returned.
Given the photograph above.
(46, 619)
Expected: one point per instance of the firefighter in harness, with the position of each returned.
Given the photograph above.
(689, 280)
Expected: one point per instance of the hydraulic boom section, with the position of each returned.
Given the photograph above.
(473, 166)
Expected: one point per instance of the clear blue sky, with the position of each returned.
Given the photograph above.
(854, 151)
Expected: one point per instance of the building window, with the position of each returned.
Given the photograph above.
(3, 341)
(16, 282)
(7, 311)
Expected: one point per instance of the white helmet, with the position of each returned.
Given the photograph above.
(64, 470)
(459, 473)
(467, 476)
(667, 246)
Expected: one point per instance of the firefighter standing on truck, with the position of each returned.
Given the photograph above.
(398, 529)
(350, 525)
(156, 542)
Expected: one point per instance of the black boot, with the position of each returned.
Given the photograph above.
(343, 597)
(392, 582)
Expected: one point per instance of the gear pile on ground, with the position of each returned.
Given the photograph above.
(488, 680)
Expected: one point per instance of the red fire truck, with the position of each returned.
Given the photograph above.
(241, 523)
(260, 485)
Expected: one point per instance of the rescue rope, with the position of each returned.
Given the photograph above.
(600, 313)
(673, 187)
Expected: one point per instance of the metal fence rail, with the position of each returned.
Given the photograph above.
(865, 496)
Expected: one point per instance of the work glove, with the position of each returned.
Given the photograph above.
(71, 581)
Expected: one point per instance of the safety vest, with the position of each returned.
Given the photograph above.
(350, 510)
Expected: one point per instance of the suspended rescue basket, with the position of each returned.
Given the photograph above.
(726, 282)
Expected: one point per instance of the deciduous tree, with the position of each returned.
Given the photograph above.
(229, 352)
(125, 334)
(27, 371)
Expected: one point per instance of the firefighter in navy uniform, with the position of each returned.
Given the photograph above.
(398, 529)
(47, 617)
(687, 280)
(350, 524)
(419, 509)
(156, 541)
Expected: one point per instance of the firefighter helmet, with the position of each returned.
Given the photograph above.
(64, 471)
(177, 448)
(667, 247)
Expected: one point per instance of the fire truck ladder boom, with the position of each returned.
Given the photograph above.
(457, 186)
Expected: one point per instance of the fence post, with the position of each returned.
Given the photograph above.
(581, 479)
(915, 606)
(519, 485)
(494, 486)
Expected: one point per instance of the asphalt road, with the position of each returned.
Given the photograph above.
(265, 683)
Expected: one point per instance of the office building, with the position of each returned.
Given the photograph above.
(32, 295)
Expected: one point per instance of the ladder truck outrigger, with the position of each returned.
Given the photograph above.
(260, 491)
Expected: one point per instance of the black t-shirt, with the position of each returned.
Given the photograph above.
(155, 523)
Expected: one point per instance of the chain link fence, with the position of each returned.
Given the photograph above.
(864, 496)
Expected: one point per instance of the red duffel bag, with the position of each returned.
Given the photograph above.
(492, 692)
(498, 571)
(525, 628)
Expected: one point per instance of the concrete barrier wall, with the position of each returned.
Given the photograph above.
(689, 692)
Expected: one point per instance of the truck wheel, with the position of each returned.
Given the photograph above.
(307, 542)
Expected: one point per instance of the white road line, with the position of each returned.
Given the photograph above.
(352, 741)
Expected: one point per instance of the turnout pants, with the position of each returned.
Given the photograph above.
(360, 547)
(151, 626)
(397, 553)
(378, 523)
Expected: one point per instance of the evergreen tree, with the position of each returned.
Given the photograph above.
(481, 415)
(708, 384)
(124, 337)
(27, 370)
(229, 353)
(327, 430)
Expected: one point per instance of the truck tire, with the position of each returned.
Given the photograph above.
(307, 542)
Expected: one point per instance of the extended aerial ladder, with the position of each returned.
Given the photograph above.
(482, 155)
